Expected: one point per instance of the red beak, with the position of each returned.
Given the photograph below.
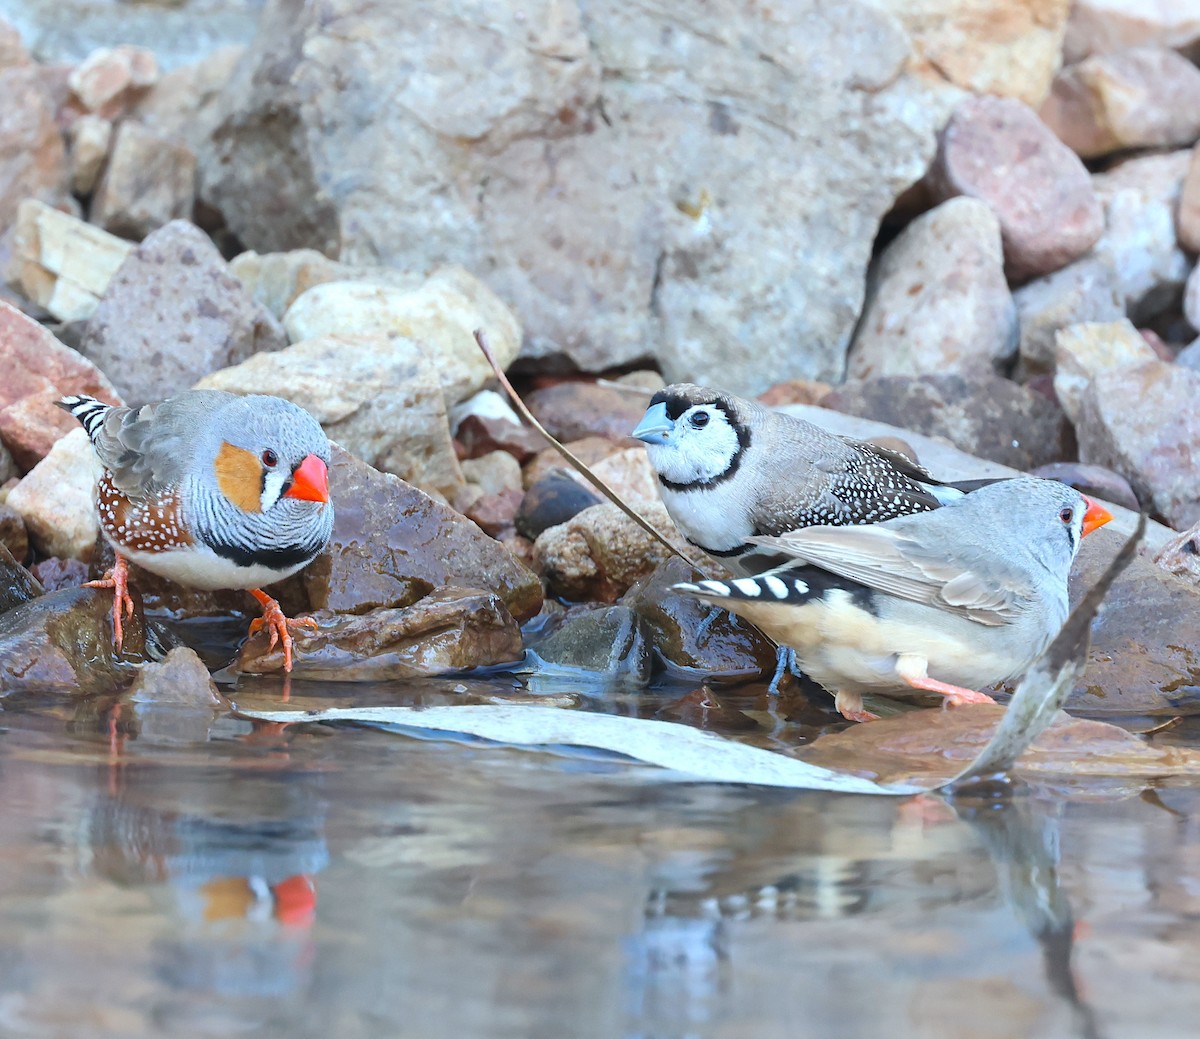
(310, 481)
(1096, 516)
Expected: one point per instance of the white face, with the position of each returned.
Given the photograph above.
(700, 446)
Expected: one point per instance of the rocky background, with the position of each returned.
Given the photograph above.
(971, 219)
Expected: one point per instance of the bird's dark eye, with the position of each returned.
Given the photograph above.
(270, 459)
(700, 419)
(1066, 515)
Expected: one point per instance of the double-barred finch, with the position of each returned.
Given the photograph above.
(730, 471)
(946, 601)
(211, 491)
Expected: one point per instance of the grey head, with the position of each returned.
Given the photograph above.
(696, 436)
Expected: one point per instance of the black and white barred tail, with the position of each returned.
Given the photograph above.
(772, 587)
(88, 410)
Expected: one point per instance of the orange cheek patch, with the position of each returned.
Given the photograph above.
(239, 475)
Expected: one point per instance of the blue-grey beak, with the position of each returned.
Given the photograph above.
(655, 427)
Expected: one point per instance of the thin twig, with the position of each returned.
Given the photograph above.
(583, 470)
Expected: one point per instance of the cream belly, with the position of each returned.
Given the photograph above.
(198, 566)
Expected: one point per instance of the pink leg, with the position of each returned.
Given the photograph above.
(850, 707)
(118, 580)
(278, 625)
(912, 670)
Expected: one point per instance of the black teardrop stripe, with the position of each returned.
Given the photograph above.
(272, 558)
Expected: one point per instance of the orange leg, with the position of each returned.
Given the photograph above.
(850, 707)
(118, 580)
(912, 669)
(278, 625)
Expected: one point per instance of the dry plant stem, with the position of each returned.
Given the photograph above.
(583, 470)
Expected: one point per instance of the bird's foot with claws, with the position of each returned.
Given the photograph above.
(965, 696)
(118, 580)
(850, 707)
(278, 626)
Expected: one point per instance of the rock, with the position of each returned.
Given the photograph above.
(61, 263)
(55, 499)
(1189, 356)
(1144, 97)
(1102, 26)
(393, 544)
(1005, 47)
(8, 469)
(1191, 299)
(1140, 197)
(938, 300)
(553, 499)
(630, 475)
(183, 106)
(112, 79)
(452, 629)
(795, 391)
(1142, 657)
(660, 221)
(13, 535)
(589, 450)
(12, 52)
(1093, 480)
(38, 370)
(17, 585)
(997, 150)
(980, 413)
(495, 513)
(89, 137)
(1151, 443)
(600, 553)
(172, 314)
(149, 181)
(486, 422)
(573, 410)
(690, 636)
(1082, 351)
(1187, 217)
(277, 280)
(181, 680)
(55, 573)
(443, 312)
(379, 397)
(607, 641)
(1181, 555)
(1087, 290)
(495, 472)
(33, 161)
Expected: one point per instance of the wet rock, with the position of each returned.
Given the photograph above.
(589, 450)
(496, 118)
(172, 314)
(452, 629)
(1005, 47)
(61, 263)
(689, 635)
(980, 413)
(1083, 351)
(609, 641)
(17, 585)
(393, 544)
(997, 150)
(600, 553)
(8, 468)
(90, 137)
(38, 370)
(573, 410)
(1143, 658)
(148, 182)
(1093, 480)
(1087, 290)
(630, 474)
(554, 499)
(1137, 98)
(13, 535)
(55, 499)
(180, 679)
(442, 312)
(379, 397)
(1140, 197)
(703, 709)
(494, 472)
(1187, 217)
(55, 573)
(939, 301)
(112, 79)
(1102, 26)
(33, 161)
(1152, 444)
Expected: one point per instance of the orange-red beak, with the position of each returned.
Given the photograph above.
(310, 481)
(1096, 516)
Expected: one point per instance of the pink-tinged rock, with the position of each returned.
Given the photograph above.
(1187, 217)
(12, 51)
(997, 150)
(1143, 422)
(90, 137)
(1191, 298)
(147, 183)
(109, 81)
(38, 369)
(939, 301)
(1103, 26)
(33, 161)
(1138, 98)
